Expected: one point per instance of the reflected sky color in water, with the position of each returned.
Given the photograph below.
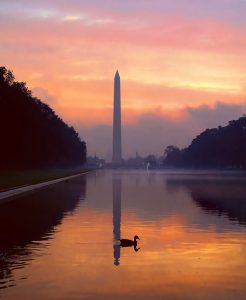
(60, 244)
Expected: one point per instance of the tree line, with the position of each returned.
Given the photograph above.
(32, 135)
(222, 147)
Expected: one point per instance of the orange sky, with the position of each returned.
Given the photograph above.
(171, 55)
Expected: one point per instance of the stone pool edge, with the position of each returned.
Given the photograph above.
(13, 193)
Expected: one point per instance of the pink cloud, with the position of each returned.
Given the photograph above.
(171, 55)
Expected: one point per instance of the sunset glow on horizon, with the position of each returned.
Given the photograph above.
(174, 57)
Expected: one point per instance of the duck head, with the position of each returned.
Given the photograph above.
(136, 237)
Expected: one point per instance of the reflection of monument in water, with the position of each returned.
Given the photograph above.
(116, 217)
(117, 152)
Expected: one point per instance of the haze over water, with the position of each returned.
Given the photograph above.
(192, 227)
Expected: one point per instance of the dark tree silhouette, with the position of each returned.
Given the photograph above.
(172, 156)
(32, 135)
(222, 147)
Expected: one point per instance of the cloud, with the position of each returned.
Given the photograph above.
(164, 58)
(151, 133)
(229, 10)
(177, 59)
(207, 117)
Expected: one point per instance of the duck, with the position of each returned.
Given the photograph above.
(129, 243)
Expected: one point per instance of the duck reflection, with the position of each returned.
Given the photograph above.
(116, 216)
(118, 242)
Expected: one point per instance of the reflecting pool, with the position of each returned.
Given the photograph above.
(63, 242)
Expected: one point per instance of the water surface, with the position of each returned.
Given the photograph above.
(60, 242)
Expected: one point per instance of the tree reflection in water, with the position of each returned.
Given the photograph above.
(220, 196)
(31, 219)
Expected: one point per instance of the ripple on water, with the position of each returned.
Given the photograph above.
(191, 229)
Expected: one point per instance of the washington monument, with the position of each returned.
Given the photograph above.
(117, 152)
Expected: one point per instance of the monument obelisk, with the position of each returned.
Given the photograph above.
(117, 152)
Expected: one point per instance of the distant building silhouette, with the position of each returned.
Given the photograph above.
(117, 151)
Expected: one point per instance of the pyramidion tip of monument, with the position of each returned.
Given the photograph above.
(117, 73)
